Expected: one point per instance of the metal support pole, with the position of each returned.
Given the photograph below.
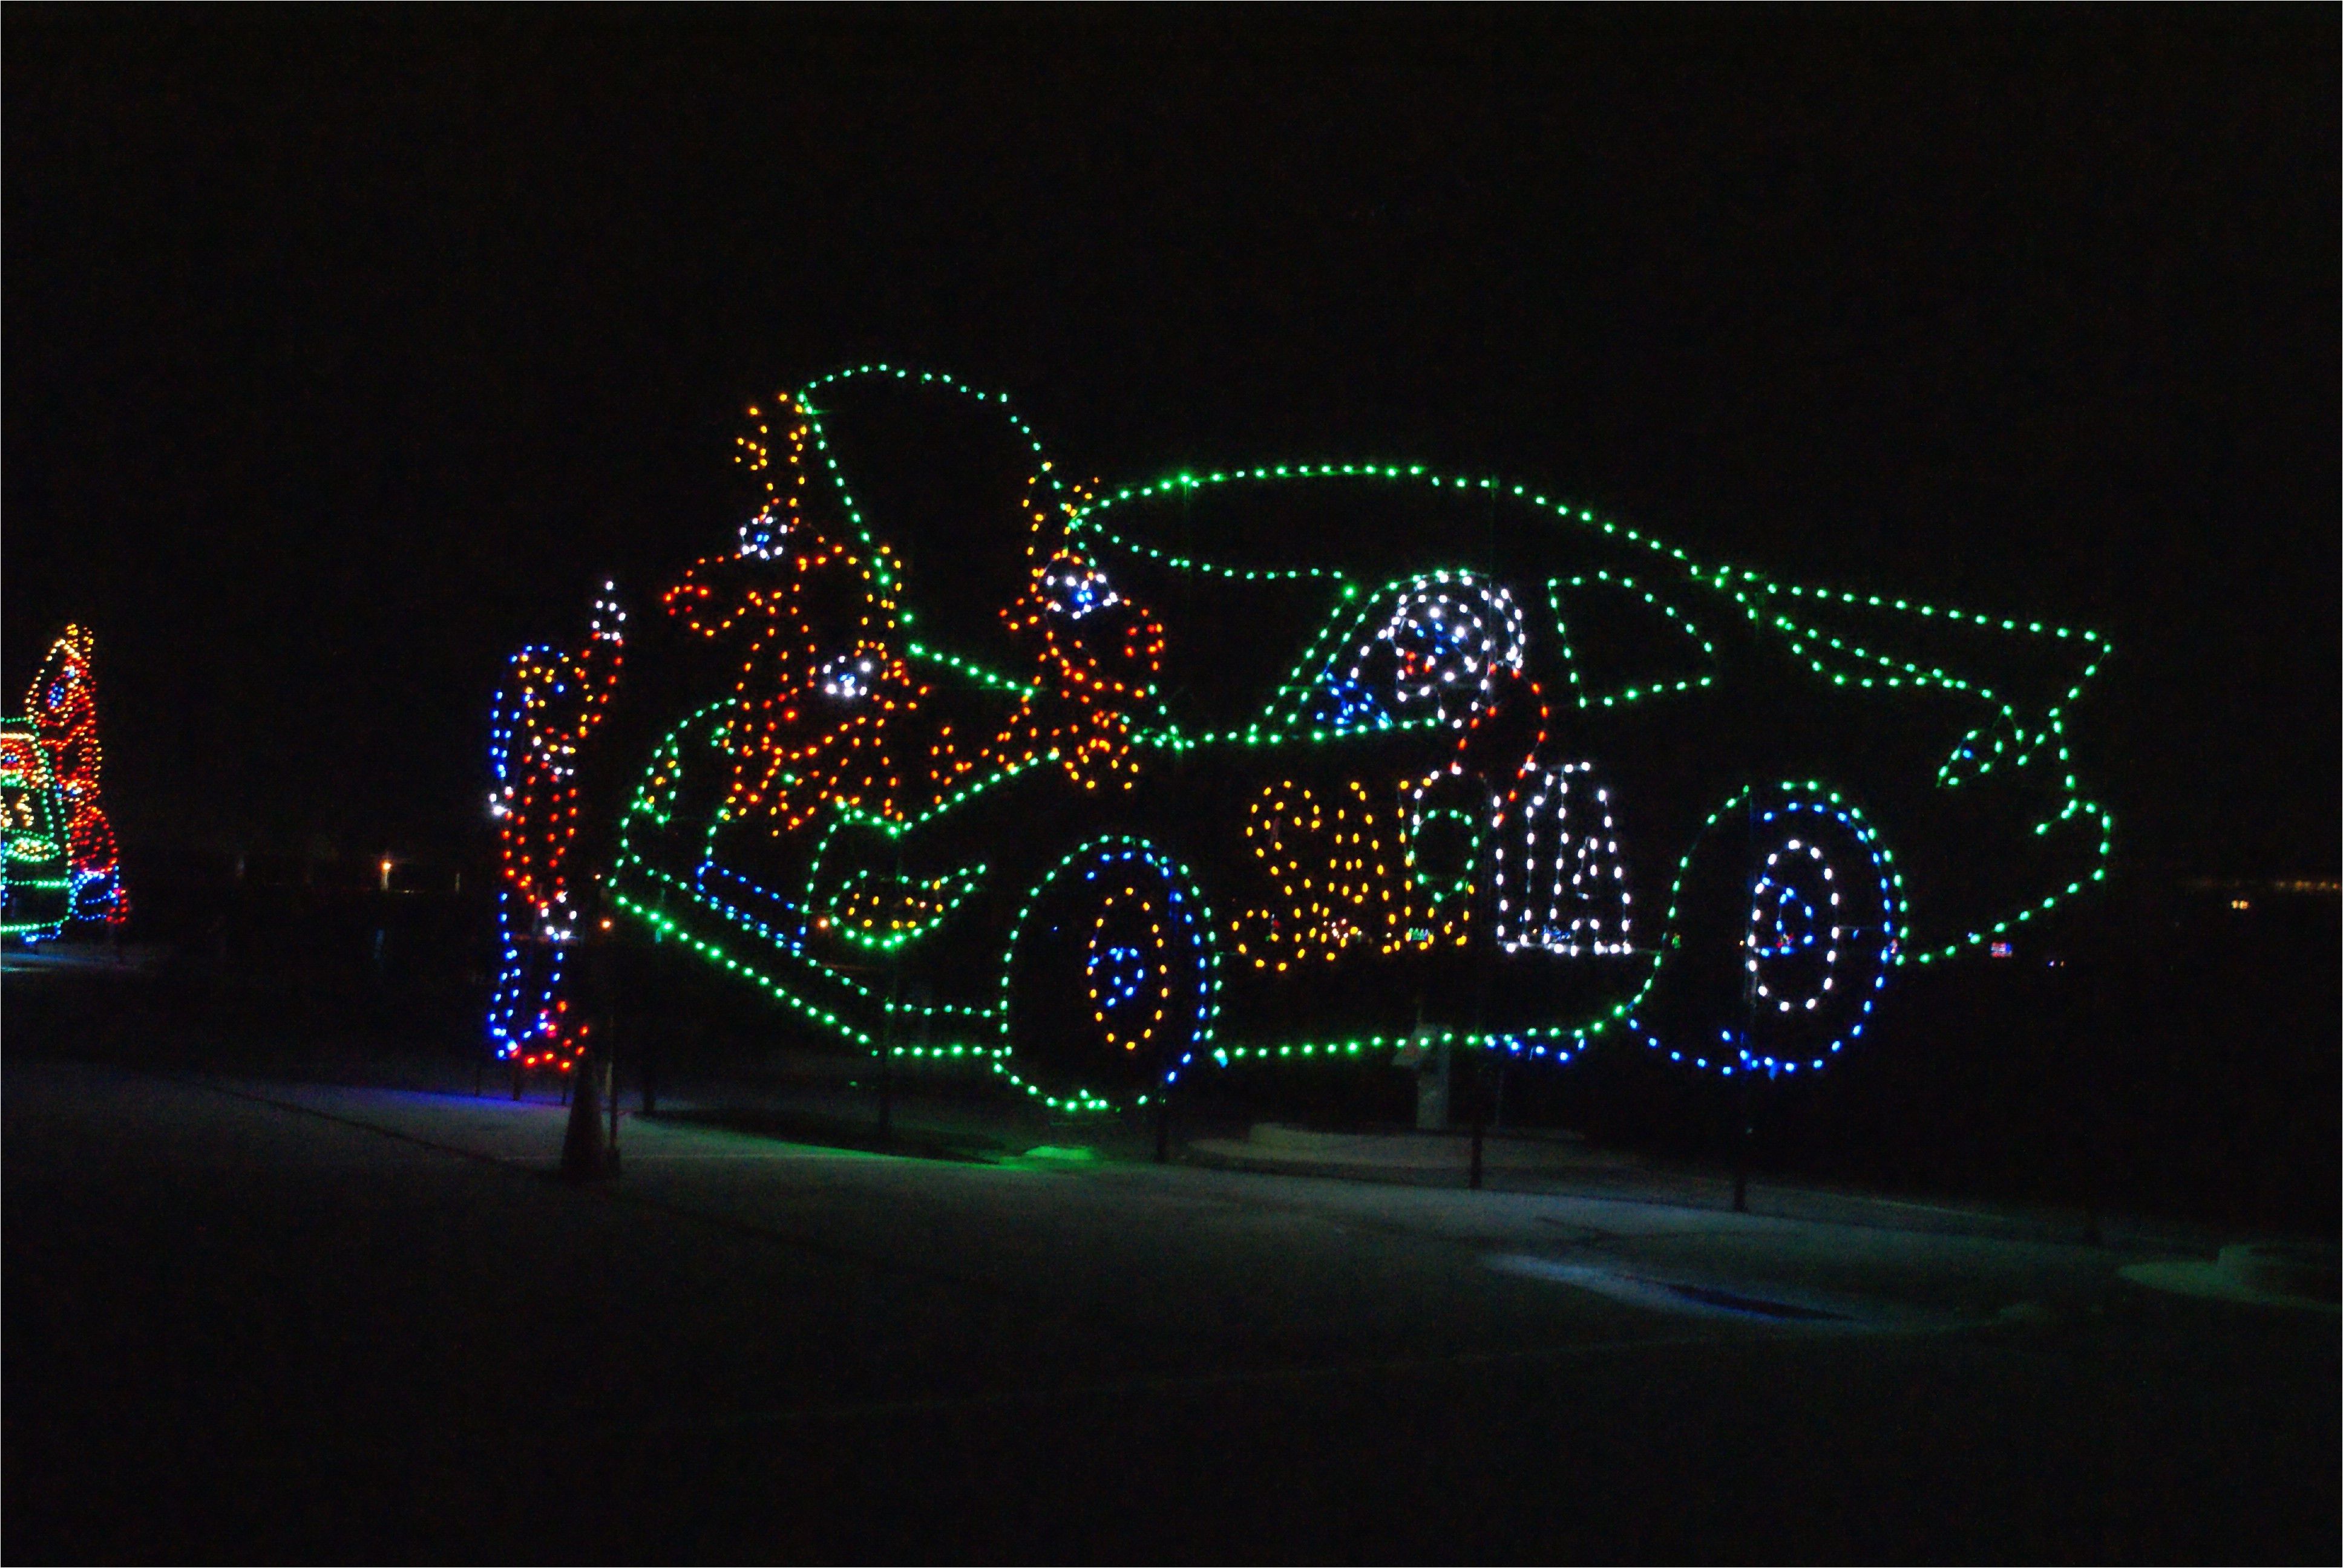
(1484, 960)
(610, 1087)
(1744, 1115)
(887, 1021)
(1480, 1120)
(606, 955)
(1741, 1148)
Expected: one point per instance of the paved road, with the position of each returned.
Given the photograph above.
(253, 1321)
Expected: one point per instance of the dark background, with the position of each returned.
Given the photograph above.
(348, 350)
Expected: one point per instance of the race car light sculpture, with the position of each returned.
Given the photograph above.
(1034, 840)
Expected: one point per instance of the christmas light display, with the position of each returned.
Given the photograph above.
(550, 704)
(1131, 949)
(62, 705)
(1329, 863)
(1818, 946)
(1569, 895)
(35, 871)
(877, 818)
(1098, 655)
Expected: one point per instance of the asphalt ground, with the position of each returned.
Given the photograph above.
(252, 1320)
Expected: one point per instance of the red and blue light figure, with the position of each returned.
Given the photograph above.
(63, 708)
(549, 706)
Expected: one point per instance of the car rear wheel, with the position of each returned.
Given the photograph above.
(1786, 924)
(1109, 987)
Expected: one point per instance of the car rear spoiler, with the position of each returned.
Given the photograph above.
(2028, 675)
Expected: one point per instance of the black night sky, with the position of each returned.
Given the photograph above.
(348, 349)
